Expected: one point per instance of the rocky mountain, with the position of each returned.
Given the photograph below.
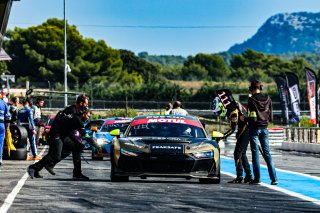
(283, 33)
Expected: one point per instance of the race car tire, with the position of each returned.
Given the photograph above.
(19, 136)
(209, 181)
(113, 176)
(95, 158)
(18, 154)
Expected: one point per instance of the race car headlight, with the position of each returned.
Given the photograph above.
(128, 152)
(206, 154)
(101, 141)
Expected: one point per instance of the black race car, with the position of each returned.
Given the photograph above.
(165, 146)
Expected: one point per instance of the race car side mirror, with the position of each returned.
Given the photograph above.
(115, 132)
(94, 129)
(217, 136)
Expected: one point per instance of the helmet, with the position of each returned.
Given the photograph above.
(217, 107)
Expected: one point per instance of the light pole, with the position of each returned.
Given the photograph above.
(65, 55)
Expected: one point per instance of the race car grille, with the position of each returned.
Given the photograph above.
(159, 164)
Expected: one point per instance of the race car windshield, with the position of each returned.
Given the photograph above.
(110, 127)
(97, 123)
(167, 130)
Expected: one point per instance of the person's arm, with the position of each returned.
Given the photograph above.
(233, 123)
(30, 117)
(252, 114)
(7, 116)
(271, 111)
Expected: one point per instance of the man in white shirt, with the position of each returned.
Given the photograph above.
(37, 117)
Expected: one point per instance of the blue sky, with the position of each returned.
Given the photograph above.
(161, 27)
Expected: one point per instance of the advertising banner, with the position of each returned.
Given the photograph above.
(293, 85)
(312, 94)
(283, 93)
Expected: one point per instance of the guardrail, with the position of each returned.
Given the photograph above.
(302, 135)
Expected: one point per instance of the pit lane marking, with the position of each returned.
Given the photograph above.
(10, 198)
(279, 188)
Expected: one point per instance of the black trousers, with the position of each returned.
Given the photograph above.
(240, 156)
(59, 150)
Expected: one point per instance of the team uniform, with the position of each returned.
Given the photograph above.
(241, 161)
(25, 118)
(64, 138)
(4, 118)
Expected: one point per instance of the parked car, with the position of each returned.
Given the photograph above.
(97, 123)
(46, 129)
(103, 137)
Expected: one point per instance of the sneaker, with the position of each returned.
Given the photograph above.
(49, 169)
(255, 182)
(274, 182)
(248, 179)
(37, 157)
(37, 174)
(31, 171)
(80, 177)
(30, 158)
(237, 180)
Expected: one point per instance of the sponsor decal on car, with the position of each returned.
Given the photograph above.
(117, 122)
(166, 120)
(166, 148)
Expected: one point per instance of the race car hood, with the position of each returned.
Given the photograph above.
(105, 135)
(152, 140)
(144, 144)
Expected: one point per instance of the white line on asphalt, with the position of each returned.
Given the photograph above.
(10, 198)
(277, 188)
(283, 170)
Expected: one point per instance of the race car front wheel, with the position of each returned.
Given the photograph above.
(113, 176)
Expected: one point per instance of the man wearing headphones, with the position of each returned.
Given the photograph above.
(260, 113)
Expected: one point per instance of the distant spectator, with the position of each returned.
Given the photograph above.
(177, 110)
(168, 108)
(37, 117)
(13, 109)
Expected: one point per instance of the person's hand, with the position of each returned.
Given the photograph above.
(34, 132)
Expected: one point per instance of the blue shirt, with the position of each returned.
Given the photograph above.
(25, 117)
(4, 112)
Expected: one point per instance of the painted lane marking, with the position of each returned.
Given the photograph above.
(295, 184)
(10, 198)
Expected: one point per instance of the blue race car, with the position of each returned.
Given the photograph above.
(103, 137)
(95, 124)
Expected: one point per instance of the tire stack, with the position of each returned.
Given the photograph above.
(19, 140)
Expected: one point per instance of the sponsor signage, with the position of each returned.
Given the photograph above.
(293, 85)
(312, 94)
(284, 99)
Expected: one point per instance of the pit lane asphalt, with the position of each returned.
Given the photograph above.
(60, 193)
